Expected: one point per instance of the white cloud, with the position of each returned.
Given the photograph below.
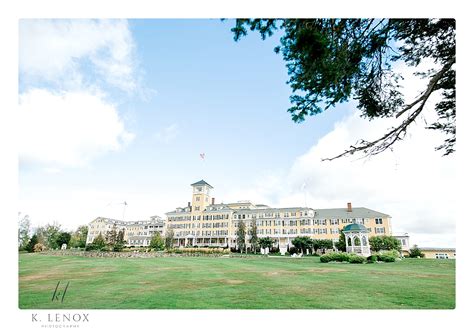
(167, 134)
(67, 128)
(414, 184)
(52, 50)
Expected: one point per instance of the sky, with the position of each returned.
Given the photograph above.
(120, 110)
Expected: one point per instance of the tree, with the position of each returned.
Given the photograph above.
(31, 244)
(253, 235)
(241, 235)
(63, 238)
(416, 252)
(157, 242)
(384, 242)
(266, 242)
(39, 247)
(23, 231)
(119, 241)
(79, 237)
(302, 243)
(111, 236)
(322, 244)
(50, 233)
(169, 238)
(40, 232)
(99, 242)
(341, 244)
(331, 61)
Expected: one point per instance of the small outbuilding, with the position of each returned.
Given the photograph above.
(357, 239)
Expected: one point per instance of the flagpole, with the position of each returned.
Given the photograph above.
(124, 206)
(203, 156)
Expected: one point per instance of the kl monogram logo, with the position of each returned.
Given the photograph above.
(58, 293)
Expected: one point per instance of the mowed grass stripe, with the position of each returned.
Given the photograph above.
(234, 283)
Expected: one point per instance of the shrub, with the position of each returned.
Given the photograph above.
(354, 259)
(325, 258)
(416, 252)
(274, 250)
(342, 257)
(392, 253)
(372, 259)
(157, 242)
(386, 258)
(39, 247)
(293, 250)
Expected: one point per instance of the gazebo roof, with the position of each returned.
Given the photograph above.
(355, 228)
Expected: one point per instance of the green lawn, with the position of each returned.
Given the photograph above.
(233, 283)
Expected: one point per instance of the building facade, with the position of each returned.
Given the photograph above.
(136, 233)
(204, 223)
(439, 253)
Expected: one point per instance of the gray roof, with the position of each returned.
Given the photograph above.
(201, 183)
(439, 249)
(342, 213)
(260, 210)
(339, 213)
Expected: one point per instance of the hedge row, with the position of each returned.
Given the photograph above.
(342, 257)
(382, 256)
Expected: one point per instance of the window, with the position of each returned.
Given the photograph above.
(441, 256)
(198, 199)
(379, 230)
(378, 221)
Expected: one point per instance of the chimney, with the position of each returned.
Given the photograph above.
(213, 199)
(349, 207)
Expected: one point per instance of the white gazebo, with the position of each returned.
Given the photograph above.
(357, 239)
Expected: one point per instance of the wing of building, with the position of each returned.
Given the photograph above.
(136, 233)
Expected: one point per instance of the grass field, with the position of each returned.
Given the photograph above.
(233, 283)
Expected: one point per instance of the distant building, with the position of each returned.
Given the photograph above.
(204, 223)
(404, 241)
(136, 233)
(439, 253)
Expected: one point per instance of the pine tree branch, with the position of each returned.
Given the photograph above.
(397, 133)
